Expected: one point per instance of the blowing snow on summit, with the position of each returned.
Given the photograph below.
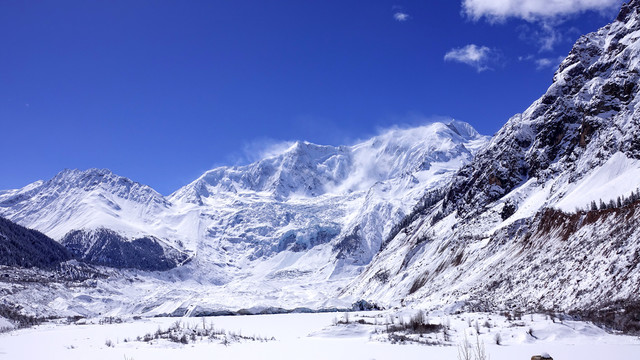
(299, 241)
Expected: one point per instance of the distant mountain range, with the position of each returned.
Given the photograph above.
(311, 214)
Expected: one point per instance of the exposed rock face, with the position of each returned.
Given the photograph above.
(589, 113)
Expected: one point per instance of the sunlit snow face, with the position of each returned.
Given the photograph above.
(397, 152)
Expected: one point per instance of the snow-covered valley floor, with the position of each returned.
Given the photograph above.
(318, 336)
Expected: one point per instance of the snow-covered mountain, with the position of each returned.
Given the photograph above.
(304, 221)
(544, 216)
(517, 227)
(75, 199)
(311, 194)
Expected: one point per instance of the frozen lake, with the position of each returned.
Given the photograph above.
(317, 336)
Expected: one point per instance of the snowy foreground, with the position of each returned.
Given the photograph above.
(318, 336)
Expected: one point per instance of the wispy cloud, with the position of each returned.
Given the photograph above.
(257, 149)
(544, 63)
(401, 16)
(266, 148)
(546, 34)
(478, 57)
(549, 37)
(532, 10)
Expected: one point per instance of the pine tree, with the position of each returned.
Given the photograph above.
(594, 206)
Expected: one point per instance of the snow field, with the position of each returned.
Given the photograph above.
(320, 336)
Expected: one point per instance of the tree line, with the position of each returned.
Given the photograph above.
(619, 202)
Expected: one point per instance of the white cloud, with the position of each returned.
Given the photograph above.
(543, 63)
(546, 34)
(401, 16)
(530, 10)
(478, 57)
(549, 37)
(545, 15)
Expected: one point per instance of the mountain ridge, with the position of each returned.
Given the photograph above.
(312, 214)
(515, 229)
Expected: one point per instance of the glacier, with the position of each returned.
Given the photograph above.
(289, 230)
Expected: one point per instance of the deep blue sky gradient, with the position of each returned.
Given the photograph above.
(160, 91)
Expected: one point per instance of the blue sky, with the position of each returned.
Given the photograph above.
(160, 91)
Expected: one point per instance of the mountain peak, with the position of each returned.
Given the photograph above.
(91, 178)
(586, 116)
(463, 129)
(627, 10)
(76, 174)
(310, 149)
(77, 198)
(307, 169)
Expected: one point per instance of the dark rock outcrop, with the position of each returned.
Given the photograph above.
(108, 248)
